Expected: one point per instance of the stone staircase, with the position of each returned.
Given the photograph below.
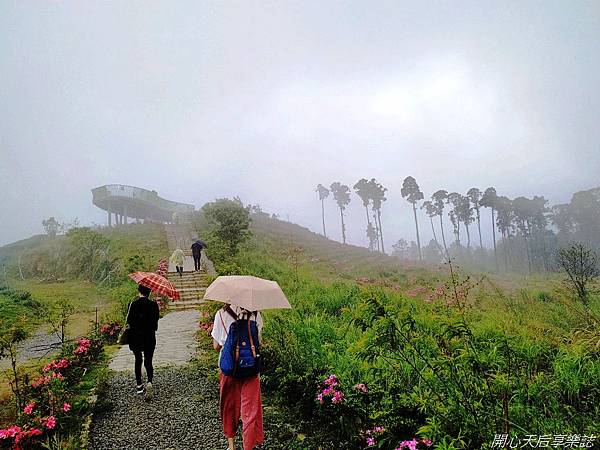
(192, 284)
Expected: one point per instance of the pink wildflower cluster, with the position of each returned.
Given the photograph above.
(416, 291)
(83, 346)
(337, 396)
(438, 293)
(49, 422)
(110, 329)
(372, 434)
(29, 408)
(162, 267)
(205, 326)
(45, 379)
(361, 387)
(58, 366)
(19, 435)
(412, 444)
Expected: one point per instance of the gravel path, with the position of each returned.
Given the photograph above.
(183, 415)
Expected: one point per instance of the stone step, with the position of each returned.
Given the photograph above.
(189, 285)
(186, 304)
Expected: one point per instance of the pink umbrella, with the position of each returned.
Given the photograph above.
(248, 292)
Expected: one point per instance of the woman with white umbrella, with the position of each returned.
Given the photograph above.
(236, 335)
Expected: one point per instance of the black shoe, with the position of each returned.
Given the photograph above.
(140, 389)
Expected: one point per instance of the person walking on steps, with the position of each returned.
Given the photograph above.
(177, 259)
(239, 396)
(142, 317)
(197, 253)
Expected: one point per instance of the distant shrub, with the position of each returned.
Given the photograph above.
(543, 296)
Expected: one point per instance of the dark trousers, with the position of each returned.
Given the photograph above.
(179, 270)
(197, 261)
(147, 360)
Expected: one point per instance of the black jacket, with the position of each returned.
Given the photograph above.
(197, 248)
(143, 322)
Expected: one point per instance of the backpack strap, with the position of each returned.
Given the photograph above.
(229, 311)
(251, 341)
(223, 323)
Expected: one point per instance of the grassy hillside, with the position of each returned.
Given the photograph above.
(454, 359)
(86, 268)
(330, 260)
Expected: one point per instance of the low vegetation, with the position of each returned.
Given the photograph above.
(401, 361)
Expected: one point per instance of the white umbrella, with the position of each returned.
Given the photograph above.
(248, 292)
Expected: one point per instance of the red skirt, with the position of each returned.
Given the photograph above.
(240, 397)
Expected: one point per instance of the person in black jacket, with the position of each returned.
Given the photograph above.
(197, 253)
(143, 322)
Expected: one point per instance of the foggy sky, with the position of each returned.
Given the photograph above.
(265, 100)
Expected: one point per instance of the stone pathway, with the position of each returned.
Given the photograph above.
(39, 345)
(175, 342)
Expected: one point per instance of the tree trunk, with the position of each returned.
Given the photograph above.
(380, 232)
(468, 236)
(494, 236)
(368, 223)
(479, 228)
(323, 216)
(343, 226)
(444, 237)
(377, 230)
(505, 250)
(435, 236)
(417, 228)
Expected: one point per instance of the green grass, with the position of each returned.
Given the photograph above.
(550, 371)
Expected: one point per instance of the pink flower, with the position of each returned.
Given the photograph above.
(10, 432)
(378, 429)
(320, 398)
(370, 441)
(50, 422)
(35, 432)
(331, 380)
(411, 445)
(361, 387)
(337, 396)
(66, 407)
(328, 390)
(29, 408)
(427, 442)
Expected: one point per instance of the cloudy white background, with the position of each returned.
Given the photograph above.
(265, 100)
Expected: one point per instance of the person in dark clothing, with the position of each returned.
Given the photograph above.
(143, 322)
(197, 253)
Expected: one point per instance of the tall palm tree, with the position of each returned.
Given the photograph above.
(474, 195)
(489, 199)
(323, 194)
(439, 199)
(377, 195)
(431, 211)
(465, 215)
(454, 199)
(341, 194)
(362, 190)
(504, 220)
(411, 192)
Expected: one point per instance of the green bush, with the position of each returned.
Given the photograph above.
(452, 369)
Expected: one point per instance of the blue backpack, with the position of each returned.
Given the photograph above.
(240, 357)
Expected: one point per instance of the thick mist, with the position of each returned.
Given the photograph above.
(267, 100)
